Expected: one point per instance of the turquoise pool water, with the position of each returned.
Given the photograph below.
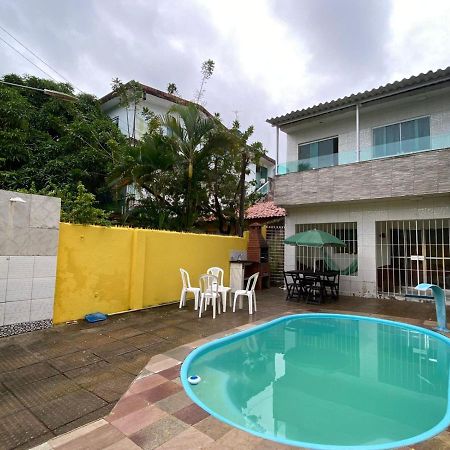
(327, 381)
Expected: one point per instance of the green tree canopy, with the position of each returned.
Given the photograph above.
(188, 167)
(49, 143)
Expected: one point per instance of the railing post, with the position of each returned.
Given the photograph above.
(278, 151)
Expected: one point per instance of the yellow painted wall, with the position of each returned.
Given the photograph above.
(117, 269)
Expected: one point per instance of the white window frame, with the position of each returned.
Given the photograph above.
(320, 140)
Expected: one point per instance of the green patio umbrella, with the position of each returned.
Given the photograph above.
(316, 239)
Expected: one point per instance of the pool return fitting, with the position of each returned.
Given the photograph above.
(194, 379)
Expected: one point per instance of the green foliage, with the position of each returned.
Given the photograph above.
(207, 70)
(172, 89)
(47, 142)
(190, 171)
(80, 208)
(130, 95)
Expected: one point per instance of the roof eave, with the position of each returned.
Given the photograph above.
(288, 119)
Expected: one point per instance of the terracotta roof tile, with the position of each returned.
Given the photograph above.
(157, 93)
(264, 210)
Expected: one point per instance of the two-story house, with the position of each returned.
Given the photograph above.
(127, 119)
(373, 169)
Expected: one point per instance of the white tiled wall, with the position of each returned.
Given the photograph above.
(365, 215)
(27, 285)
(28, 248)
(41, 309)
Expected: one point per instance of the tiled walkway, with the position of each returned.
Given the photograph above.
(56, 380)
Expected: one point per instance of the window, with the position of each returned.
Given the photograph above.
(261, 175)
(116, 120)
(404, 137)
(319, 154)
(328, 258)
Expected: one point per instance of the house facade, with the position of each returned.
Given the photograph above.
(262, 174)
(373, 169)
(127, 119)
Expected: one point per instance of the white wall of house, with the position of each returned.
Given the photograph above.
(158, 105)
(365, 214)
(435, 104)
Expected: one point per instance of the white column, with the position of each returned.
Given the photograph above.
(357, 133)
(278, 151)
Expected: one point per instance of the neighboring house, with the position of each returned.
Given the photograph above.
(262, 173)
(373, 168)
(155, 100)
(126, 118)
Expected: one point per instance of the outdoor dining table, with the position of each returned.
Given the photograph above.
(312, 285)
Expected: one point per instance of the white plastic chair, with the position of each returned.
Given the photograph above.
(209, 292)
(188, 288)
(249, 292)
(224, 291)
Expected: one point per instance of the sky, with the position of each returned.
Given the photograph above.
(271, 56)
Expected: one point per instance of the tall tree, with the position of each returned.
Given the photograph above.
(130, 94)
(248, 153)
(195, 137)
(207, 70)
(46, 142)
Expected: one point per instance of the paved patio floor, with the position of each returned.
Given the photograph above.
(56, 380)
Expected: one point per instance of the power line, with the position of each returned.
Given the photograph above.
(39, 58)
(29, 60)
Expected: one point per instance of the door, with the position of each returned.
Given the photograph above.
(410, 252)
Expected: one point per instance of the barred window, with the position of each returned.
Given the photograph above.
(344, 259)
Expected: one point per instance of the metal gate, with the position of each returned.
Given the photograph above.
(411, 252)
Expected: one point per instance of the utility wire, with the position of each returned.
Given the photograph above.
(81, 115)
(29, 60)
(38, 57)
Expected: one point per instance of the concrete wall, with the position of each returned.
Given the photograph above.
(28, 248)
(365, 214)
(434, 104)
(118, 269)
(425, 173)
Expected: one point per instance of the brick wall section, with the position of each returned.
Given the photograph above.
(417, 174)
(275, 237)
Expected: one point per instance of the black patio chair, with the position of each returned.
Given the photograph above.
(313, 288)
(330, 284)
(291, 283)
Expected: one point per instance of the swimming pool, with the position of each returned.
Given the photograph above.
(327, 381)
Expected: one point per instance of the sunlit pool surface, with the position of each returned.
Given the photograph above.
(327, 381)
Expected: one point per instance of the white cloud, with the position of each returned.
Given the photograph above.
(268, 54)
(420, 37)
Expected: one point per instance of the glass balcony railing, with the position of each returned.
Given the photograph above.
(404, 147)
(264, 188)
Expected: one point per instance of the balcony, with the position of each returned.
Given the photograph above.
(408, 174)
(404, 147)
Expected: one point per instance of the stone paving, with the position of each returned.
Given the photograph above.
(57, 380)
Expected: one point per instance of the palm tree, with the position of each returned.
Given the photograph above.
(195, 138)
(149, 167)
